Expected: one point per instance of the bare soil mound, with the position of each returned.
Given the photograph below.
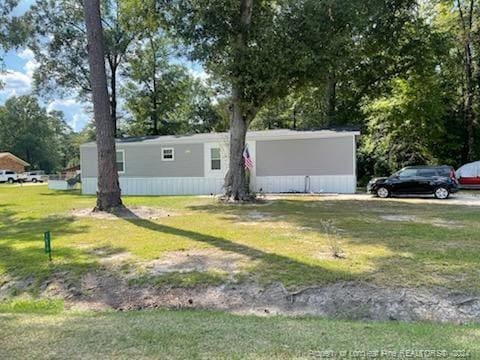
(141, 212)
(351, 300)
(449, 224)
(197, 260)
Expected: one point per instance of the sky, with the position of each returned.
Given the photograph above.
(17, 79)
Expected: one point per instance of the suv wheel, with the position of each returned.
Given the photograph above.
(441, 193)
(383, 192)
(10, 180)
(34, 180)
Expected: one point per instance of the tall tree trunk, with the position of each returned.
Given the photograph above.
(330, 98)
(469, 97)
(294, 117)
(236, 184)
(154, 114)
(108, 195)
(113, 98)
(154, 87)
(469, 86)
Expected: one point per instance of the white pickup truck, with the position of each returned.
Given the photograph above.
(8, 176)
(36, 176)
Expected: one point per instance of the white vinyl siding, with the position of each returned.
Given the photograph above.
(341, 184)
(161, 186)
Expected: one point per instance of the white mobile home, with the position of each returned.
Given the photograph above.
(283, 161)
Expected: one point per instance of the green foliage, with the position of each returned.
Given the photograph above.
(35, 135)
(263, 69)
(13, 30)
(418, 116)
(402, 128)
(393, 68)
(162, 97)
(304, 108)
(59, 43)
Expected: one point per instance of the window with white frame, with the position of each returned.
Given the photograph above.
(168, 154)
(120, 155)
(215, 159)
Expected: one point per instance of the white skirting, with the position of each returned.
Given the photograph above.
(60, 185)
(161, 186)
(342, 184)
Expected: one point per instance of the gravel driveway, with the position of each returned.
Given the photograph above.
(467, 198)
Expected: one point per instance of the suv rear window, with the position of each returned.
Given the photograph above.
(446, 172)
(9, 172)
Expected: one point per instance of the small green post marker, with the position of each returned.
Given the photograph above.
(48, 245)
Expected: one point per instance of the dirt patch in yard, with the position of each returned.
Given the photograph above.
(114, 259)
(265, 219)
(350, 300)
(403, 218)
(105, 289)
(141, 212)
(437, 222)
(449, 224)
(197, 260)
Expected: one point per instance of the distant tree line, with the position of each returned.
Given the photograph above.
(40, 137)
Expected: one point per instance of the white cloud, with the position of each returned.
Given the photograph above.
(19, 82)
(31, 65)
(79, 121)
(201, 74)
(26, 54)
(59, 104)
(76, 113)
(15, 83)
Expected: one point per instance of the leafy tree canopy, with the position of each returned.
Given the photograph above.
(35, 135)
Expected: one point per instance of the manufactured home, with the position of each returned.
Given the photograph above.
(284, 161)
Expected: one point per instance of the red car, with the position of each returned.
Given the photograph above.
(469, 175)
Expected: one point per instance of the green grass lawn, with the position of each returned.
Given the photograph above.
(212, 335)
(283, 240)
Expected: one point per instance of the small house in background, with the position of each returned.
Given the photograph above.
(8, 161)
(67, 179)
(280, 161)
(70, 172)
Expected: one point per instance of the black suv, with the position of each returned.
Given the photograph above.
(437, 180)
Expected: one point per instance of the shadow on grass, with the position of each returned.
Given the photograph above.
(24, 265)
(440, 247)
(267, 266)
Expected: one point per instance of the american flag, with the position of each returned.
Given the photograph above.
(247, 159)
